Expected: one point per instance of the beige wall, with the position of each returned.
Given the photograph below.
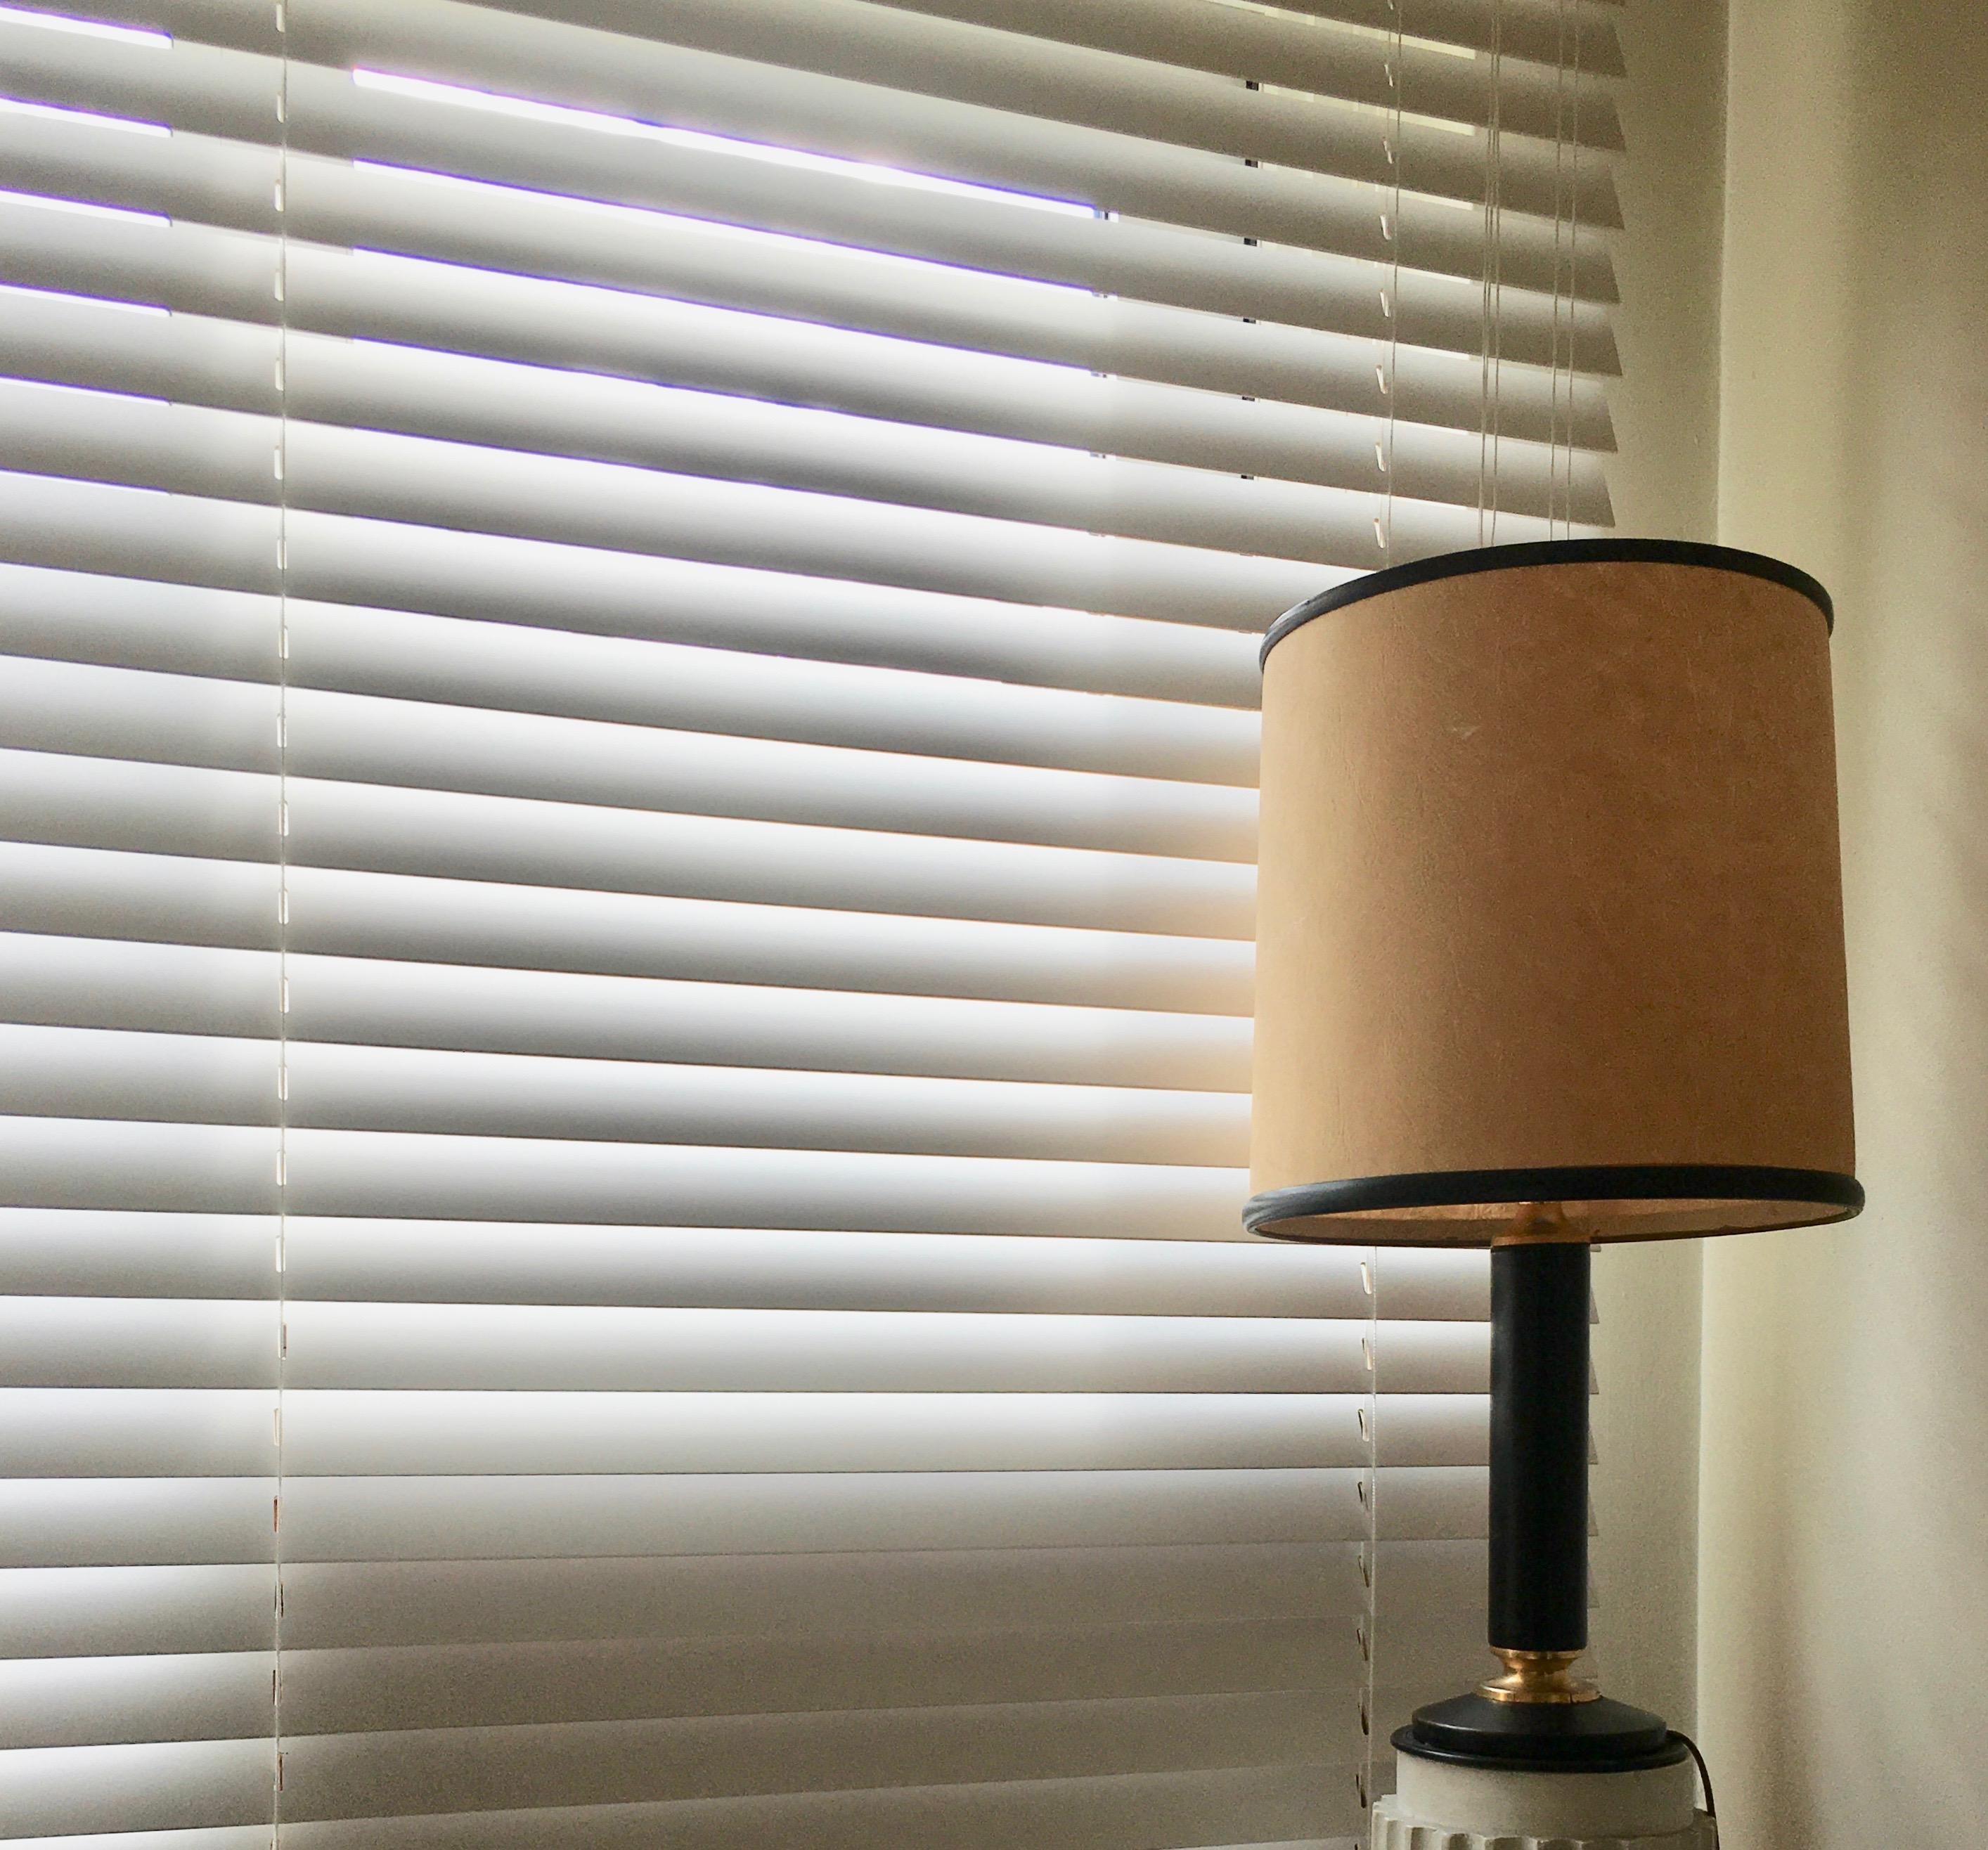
(1665, 410)
(1843, 1623)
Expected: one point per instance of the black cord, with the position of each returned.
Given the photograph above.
(1704, 1776)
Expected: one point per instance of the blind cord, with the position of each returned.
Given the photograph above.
(1553, 366)
(1567, 211)
(1390, 297)
(1573, 258)
(282, 291)
(1370, 1498)
(1490, 380)
(1370, 1485)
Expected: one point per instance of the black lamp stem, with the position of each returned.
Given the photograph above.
(1538, 1446)
(1539, 1716)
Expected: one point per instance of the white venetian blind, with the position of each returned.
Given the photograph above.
(627, 659)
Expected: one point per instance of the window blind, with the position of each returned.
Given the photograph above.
(627, 659)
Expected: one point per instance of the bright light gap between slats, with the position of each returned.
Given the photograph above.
(34, 292)
(123, 215)
(90, 28)
(1285, 16)
(80, 118)
(1442, 124)
(106, 394)
(564, 116)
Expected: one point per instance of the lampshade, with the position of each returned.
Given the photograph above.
(1550, 916)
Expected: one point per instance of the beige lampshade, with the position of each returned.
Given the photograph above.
(1550, 917)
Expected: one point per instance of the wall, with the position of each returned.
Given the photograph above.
(1666, 411)
(1844, 1637)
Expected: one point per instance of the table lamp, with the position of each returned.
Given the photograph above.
(1549, 950)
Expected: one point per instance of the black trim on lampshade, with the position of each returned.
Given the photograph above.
(1550, 552)
(1610, 1182)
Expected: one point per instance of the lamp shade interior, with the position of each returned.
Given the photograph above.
(1549, 912)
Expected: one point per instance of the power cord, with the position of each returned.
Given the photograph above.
(1704, 1780)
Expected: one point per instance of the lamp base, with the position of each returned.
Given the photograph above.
(1445, 1806)
(1600, 1735)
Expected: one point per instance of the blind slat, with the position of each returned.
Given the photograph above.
(83, 1252)
(363, 1001)
(124, 1788)
(66, 1612)
(1433, 1525)
(228, 1431)
(114, 1343)
(87, 1702)
(600, 1762)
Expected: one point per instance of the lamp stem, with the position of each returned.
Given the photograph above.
(1538, 1604)
(1540, 1717)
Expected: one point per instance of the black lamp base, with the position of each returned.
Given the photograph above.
(1599, 1737)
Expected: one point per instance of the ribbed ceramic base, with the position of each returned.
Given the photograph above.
(1444, 1807)
(1393, 1831)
